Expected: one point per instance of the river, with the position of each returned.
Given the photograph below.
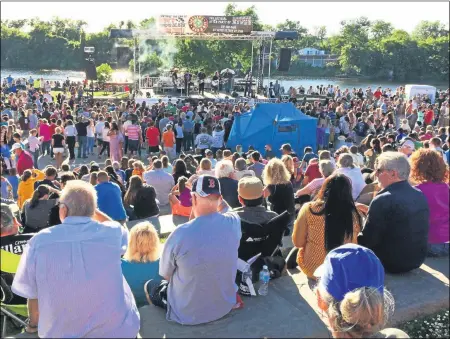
(123, 75)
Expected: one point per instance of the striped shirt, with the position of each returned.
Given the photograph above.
(133, 132)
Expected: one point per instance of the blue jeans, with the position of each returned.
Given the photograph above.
(35, 155)
(45, 147)
(82, 146)
(90, 141)
(438, 250)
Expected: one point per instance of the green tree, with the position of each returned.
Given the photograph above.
(104, 73)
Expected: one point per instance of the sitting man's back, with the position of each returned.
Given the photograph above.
(200, 261)
(397, 224)
(73, 272)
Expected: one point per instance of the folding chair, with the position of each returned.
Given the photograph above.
(8, 264)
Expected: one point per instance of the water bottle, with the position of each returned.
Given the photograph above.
(264, 277)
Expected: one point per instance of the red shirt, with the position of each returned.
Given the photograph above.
(24, 162)
(184, 109)
(52, 128)
(152, 135)
(377, 94)
(312, 171)
(428, 117)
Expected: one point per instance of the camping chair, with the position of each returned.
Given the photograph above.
(8, 264)
(265, 239)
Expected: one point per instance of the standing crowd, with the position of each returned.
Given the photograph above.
(373, 198)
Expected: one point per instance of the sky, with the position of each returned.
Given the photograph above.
(402, 15)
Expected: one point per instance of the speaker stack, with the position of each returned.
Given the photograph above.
(284, 59)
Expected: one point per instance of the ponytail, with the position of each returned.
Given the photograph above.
(182, 184)
(38, 194)
(26, 175)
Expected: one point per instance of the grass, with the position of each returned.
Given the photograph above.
(433, 326)
(109, 95)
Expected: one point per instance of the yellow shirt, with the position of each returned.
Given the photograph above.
(309, 237)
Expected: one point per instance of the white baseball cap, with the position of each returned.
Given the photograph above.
(16, 146)
(409, 144)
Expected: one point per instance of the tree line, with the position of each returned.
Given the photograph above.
(362, 47)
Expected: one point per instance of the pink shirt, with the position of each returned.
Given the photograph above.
(133, 132)
(437, 194)
(44, 131)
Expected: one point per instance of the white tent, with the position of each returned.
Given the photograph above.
(413, 90)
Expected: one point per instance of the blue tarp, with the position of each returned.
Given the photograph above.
(274, 124)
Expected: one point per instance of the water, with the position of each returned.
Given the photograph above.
(60, 75)
(264, 277)
(122, 75)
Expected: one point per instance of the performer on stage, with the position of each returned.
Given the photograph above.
(201, 82)
(248, 84)
(187, 82)
(174, 80)
(215, 83)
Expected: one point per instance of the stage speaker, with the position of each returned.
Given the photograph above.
(124, 56)
(91, 71)
(284, 60)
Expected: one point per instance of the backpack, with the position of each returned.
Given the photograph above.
(361, 129)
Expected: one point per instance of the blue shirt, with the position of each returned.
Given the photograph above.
(308, 156)
(122, 174)
(4, 188)
(5, 151)
(137, 274)
(74, 270)
(200, 257)
(109, 200)
(188, 126)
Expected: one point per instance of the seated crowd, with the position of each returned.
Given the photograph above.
(92, 231)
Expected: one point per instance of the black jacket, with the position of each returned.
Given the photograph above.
(397, 226)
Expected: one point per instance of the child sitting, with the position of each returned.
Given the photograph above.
(180, 198)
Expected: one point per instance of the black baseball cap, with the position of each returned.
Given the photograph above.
(206, 185)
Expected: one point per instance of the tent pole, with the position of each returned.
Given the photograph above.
(139, 65)
(251, 64)
(270, 53)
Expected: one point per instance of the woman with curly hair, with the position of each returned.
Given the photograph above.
(431, 175)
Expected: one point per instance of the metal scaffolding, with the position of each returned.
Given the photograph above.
(135, 34)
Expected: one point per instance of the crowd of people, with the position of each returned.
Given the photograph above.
(374, 196)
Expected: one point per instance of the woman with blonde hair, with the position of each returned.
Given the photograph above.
(351, 292)
(431, 175)
(140, 262)
(278, 190)
(294, 171)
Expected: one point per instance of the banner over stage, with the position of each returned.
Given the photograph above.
(198, 24)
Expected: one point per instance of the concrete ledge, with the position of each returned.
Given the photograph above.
(290, 310)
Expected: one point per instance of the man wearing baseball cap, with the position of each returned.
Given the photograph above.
(351, 291)
(23, 159)
(199, 261)
(250, 191)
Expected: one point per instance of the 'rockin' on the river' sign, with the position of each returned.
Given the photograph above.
(198, 24)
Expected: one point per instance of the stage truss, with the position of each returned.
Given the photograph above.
(256, 37)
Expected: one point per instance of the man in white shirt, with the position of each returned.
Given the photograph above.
(203, 140)
(162, 182)
(99, 132)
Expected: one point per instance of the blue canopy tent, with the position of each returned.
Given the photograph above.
(274, 124)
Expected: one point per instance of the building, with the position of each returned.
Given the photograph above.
(315, 57)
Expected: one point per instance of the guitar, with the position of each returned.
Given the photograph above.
(215, 83)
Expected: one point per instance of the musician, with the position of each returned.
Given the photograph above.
(201, 82)
(174, 80)
(248, 84)
(187, 82)
(215, 82)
